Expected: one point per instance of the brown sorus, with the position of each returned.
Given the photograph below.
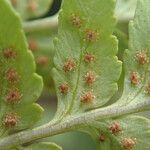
(76, 20)
(91, 35)
(10, 120)
(128, 143)
(87, 97)
(90, 77)
(69, 65)
(115, 128)
(135, 78)
(64, 88)
(88, 58)
(142, 57)
(12, 75)
(13, 96)
(102, 138)
(9, 53)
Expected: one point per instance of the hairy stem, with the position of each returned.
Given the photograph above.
(41, 24)
(69, 124)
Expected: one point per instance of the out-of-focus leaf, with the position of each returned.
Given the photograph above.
(31, 8)
(125, 9)
(41, 44)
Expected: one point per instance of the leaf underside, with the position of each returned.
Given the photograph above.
(21, 85)
(31, 8)
(136, 91)
(136, 59)
(80, 35)
(73, 43)
(133, 127)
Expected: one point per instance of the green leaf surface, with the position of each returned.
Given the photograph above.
(31, 8)
(132, 127)
(136, 59)
(44, 146)
(74, 41)
(21, 85)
